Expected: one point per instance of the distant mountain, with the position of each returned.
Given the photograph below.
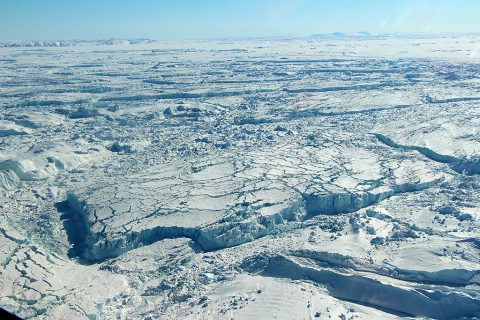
(70, 43)
(342, 35)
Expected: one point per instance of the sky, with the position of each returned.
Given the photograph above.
(198, 19)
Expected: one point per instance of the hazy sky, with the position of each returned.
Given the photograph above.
(170, 19)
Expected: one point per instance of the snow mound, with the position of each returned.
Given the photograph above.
(8, 128)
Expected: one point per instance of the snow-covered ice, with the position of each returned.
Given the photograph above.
(323, 177)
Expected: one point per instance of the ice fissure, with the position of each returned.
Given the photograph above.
(420, 301)
(217, 236)
(463, 166)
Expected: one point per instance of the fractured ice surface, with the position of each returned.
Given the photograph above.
(228, 200)
(289, 179)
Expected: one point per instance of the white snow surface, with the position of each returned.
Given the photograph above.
(319, 178)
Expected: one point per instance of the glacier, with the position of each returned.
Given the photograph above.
(285, 178)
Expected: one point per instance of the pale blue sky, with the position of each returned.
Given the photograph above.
(187, 19)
